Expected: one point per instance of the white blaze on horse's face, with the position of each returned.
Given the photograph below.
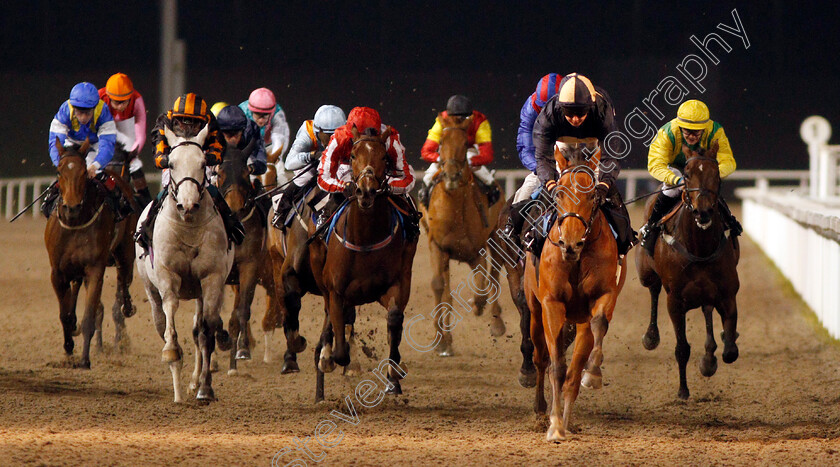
(186, 171)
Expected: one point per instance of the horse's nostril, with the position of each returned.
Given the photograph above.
(180, 206)
(579, 244)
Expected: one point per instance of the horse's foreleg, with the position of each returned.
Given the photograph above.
(554, 320)
(540, 355)
(599, 324)
(441, 289)
(171, 349)
(708, 366)
(651, 337)
(288, 290)
(271, 319)
(583, 347)
(68, 319)
(527, 372)
(728, 309)
(497, 324)
(341, 352)
(93, 280)
(233, 328)
(194, 378)
(97, 333)
(247, 287)
(394, 301)
(682, 350)
(323, 358)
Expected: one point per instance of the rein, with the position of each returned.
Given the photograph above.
(566, 215)
(173, 187)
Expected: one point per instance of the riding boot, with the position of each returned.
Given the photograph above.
(412, 220)
(235, 230)
(650, 231)
(516, 219)
(287, 201)
(50, 199)
(534, 238)
(143, 237)
(424, 194)
(141, 188)
(326, 213)
(492, 192)
(730, 220)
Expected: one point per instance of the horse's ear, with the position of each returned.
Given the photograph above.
(85, 147)
(249, 148)
(354, 131)
(562, 162)
(202, 135)
(465, 124)
(59, 147)
(686, 152)
(386, 134)
(273, 157)
(713, 149)
(170, 136)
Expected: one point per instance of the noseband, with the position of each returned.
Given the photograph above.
(174, 186)
(701, 191)
(368, 171)
(586, 223)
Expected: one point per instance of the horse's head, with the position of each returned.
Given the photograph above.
(72, 178)
(233, 178)
(702, 184)
(453, 151)
(576, 207)
(187, 172)
(569, 154)
(369, 160)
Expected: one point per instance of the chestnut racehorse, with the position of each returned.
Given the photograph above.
(697, 264)
(367, 259)
(80, 236)
(576, 280)
(459, 222)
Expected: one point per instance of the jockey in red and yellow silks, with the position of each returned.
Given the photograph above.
(693, 128)
(479, 153)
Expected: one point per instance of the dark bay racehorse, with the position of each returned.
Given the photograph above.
(233, 181)
(696, 262)
(367, 259)
(576, 280)
(459, 223)
(80, 236)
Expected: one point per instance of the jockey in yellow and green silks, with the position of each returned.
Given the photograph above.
(695, 129)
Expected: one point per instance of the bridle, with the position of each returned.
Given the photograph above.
(174, 186)
(368, 171)
(566, 215)
(700, 190)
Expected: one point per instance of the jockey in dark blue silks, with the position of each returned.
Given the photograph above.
(239, 131)
(546, 88)
(582, 113)
(85, 116)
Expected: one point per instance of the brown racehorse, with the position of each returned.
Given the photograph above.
(576, 280)
(697, 264)
(368, 259)
(233, 181)
(459, 223)
(80, 236)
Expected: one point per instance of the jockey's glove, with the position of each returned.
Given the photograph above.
(601, 191)
(349, 189)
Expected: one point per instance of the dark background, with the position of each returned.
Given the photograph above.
(406, 58)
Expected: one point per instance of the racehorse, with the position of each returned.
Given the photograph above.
(190, 258)
(367, 258)
(233, 181)
(459, 223)
(697, 264)
(80, 237)
(576, 280)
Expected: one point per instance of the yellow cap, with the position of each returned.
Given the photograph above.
(693, 115)
(217, 107)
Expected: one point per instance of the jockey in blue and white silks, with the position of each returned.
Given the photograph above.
(82, 116)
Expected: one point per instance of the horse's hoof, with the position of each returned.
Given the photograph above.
(171, 355)
(77, 330)
(192, 387)
(233, 372)
(128, 311)
(527, 380)
(289, 366)
(478, 309)
(223, 340)
(214, 365)
(205, 393)
(651, 339)
(326, 365)
(555, 435)
(591, 380)
(497, 327)
(297, 345)
(353, 369)
(394, 387)
(243, 354)
(708, 366)
(446, 353)
(683, 393)
(730, 353)
(83, 365)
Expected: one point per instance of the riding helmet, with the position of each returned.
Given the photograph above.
(232, 118)
(119, 87)
(84, 95)
(459, 106)
(576, 93)
(693, 115)
(190, 105)
(328, 118)
(262, 100)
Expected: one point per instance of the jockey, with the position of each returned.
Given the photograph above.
(310, 141)
(262, 108)
(695, 129)
(186, 119)
(400, 178)
(479, 154)
(582, 113)
(85, 116)
(239, 132)
(546, 88)
(129, 112)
